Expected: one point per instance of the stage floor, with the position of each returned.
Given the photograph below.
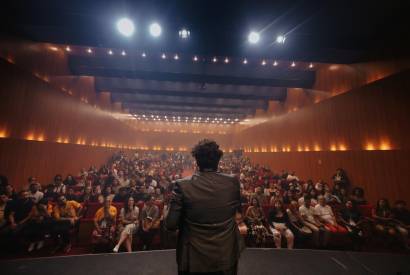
(253, 261)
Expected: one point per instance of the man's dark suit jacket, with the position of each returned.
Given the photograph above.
(203, 208)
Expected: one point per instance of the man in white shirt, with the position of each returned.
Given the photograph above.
(308, 215)
(292, 177)
(325, 215)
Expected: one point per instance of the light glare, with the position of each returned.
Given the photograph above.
(155, 29)
(126, 27)
(253, 37)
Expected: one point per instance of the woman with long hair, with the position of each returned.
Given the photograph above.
(128, 224)
(255, 218)
(279, 225)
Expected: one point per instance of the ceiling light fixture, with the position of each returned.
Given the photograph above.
(253, 37)
(126, 27)
(184, 33)
(155, 29)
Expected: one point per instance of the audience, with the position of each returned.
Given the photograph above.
(139, 187)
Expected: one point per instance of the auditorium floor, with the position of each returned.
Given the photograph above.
(254, 261)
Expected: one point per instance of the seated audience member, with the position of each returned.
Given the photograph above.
(308, 215)
(292, 177)
(401, 213)
(385, 222)
(121, 196)
(308, 185)
(321, 187)
(3, 218)
(139, 194)
(312, 197)
(325, 215)
(128, 226)
(150, 222)
(260, 196)
(86, 195)
(10, 192)
(66, 214)
(295, 220)
(341, 179)
(279, 225)
(70, 181)
(19, 213)
(97, 194)
(71, 196)
(254, 217)
(57, 187)
(330, 198)
(358, 196)
(39, 223)
(158, 195)
(243, 229)
(35, 194)
(105, 224)
(108, 193)
(351, 218)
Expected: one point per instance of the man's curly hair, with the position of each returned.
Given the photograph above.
(207, 154)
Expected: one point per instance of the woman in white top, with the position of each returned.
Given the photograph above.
(128, 224)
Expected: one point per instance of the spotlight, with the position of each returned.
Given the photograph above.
(144, 55)
(123, 53)
(155, 29)
(176, 57)
(226, 60)
(68, 49)
(293, 64)
(195, 58)
(245, 61)
(253, 37)
(110, 52)
(311, 65)
(214, 60)
(184, 33)
(163, 56)
(275, 63)
(280, 39)
(89, 50)
(263, 63)
(125, 26)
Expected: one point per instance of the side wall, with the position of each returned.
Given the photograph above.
(364, 131)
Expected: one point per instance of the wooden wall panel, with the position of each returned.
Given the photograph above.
(339, 78)
(20, 159)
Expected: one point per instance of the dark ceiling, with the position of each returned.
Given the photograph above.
(317, 31)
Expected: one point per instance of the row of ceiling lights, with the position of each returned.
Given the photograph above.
(186, 119)
(195, 58)
(126, 27)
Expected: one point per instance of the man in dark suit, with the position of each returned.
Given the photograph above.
(203, 209)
